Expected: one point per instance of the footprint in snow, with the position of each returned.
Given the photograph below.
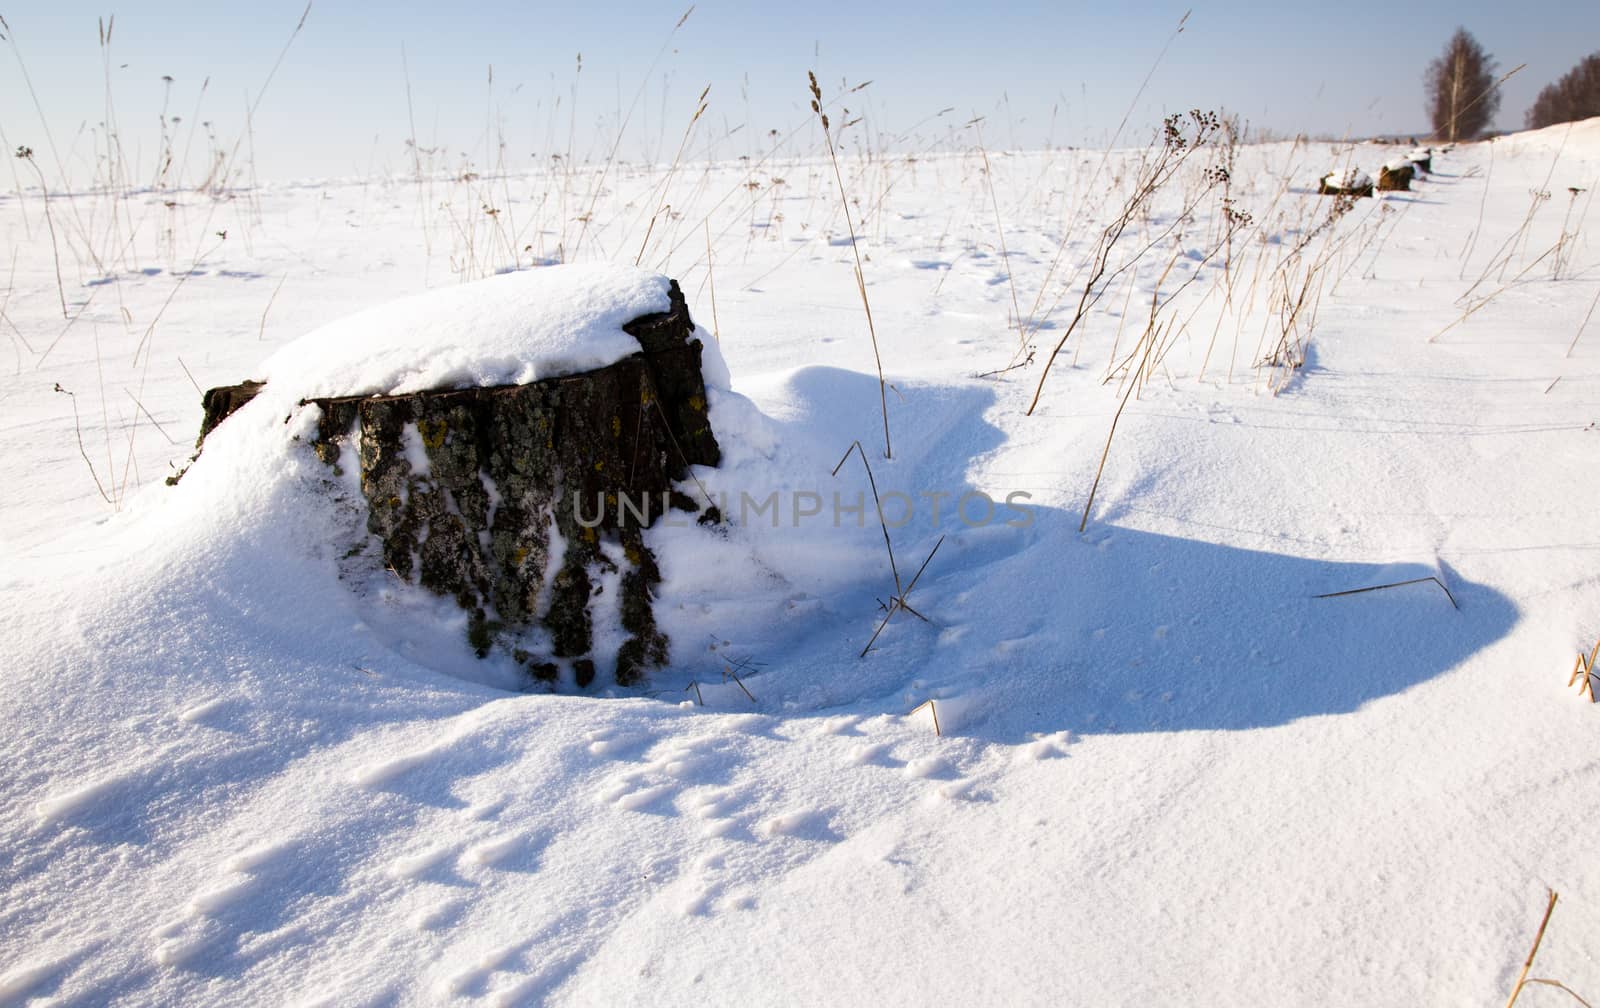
(193, 944)
(716, 804)
(635, 791)
(749, 724)
(474, 977)
(259, 857)
(411, 866)
(1043, 747)
(81, 802)
(930, 766)
(960, 789)
(847, 724)
(497, 851)
(439, 916)
(210, 714)
(36, 978)
(873, 754)
(615, 745)
(486, 810)
(803, 824)
(531, 988)
(376, 775)
(640, 799)
(217, 899)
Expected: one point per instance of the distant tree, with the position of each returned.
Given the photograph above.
(1463, 95)
(1575, 96)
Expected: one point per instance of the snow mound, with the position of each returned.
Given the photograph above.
(508, 330)
(1581, 137)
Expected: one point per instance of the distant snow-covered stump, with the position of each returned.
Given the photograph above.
(527, 503)
(1354, 182)
(1421, 159)
(1396, 176)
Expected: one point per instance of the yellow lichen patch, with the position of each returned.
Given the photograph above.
(519, 556)
(589, 535)
(599, 466)
(616, 426)
(433, 433)
(697, 403)
(633, 555)
(644, 397)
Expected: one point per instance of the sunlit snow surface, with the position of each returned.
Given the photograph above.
(239, 768)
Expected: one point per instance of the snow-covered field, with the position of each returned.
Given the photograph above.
(1165, 771)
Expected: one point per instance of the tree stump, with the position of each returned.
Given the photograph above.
(1353, 183)
(521, 502)
(1395, 179)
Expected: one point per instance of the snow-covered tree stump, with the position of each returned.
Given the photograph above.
(523, 502)
(1354, 182)
(1395, 177)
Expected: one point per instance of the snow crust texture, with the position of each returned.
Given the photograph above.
(1168, 759)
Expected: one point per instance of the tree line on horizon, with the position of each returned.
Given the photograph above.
(1463, 93)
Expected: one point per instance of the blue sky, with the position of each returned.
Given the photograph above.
(1062, 73)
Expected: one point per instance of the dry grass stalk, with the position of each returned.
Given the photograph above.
(1000, 235)
(1034, 316)
(933, 709)
(897, 602)
(1527, 964)
(861, 278)
(1584, 672)
(1501, 290)
(1587, 316)
(729, 673)
(77, 429)
(1523, 979)
(187, 374)
(1395, 584)
(262, 333)
(1176, 148)
(1106, 452)
(152, 419)
(598, 186)
(26, 154)
(659, 192)
(711, 279)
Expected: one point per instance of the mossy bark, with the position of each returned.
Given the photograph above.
(520, 502)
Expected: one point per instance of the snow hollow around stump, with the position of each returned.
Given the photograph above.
(502, 446)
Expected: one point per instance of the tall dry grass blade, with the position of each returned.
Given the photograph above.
(1560, 986)
(933, 709)
(1590, 314)
(77, 429)
(262, 333)
(1527, 964)
(1000, 236)
(1106, 452)
(855, 446)
(861, 277)
(1394, 584)
(711, 279)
